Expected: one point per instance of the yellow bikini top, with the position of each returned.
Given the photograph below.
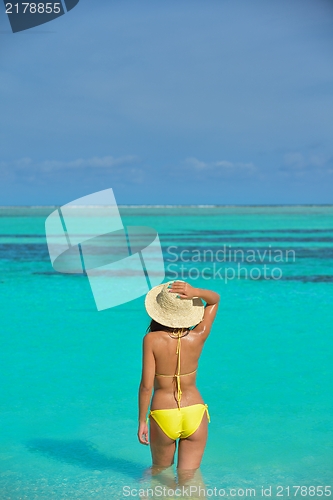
(177, 375)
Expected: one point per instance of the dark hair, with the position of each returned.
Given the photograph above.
(156, 327)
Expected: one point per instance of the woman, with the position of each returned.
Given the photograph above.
(171, 350)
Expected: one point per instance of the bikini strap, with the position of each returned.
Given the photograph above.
(173, 376)
(179, 391)
(208, 416)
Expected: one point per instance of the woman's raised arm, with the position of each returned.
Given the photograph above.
(186, 291)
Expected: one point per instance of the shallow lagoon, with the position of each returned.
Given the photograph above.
(69, 374)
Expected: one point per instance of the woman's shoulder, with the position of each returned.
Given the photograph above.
(151, 337)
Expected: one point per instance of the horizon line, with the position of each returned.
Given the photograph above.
(201, 205)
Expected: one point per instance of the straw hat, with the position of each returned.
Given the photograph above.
(168, 310)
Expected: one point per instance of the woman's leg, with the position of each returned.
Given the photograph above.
(161, 446)
(193, 479)
(191, 449)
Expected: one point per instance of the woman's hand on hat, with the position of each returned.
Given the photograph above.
(183, 290)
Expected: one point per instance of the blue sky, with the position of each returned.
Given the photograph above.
(185, 102)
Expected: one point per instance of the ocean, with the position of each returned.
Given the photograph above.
(70, 374)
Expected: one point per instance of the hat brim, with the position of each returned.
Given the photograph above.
(171, 318)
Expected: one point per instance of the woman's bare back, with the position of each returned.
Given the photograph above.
(166, 361)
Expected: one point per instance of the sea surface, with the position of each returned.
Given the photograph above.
(69, 374)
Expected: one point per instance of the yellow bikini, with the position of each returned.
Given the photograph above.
(179, 423)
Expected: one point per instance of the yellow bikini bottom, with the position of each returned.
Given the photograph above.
(180, 423)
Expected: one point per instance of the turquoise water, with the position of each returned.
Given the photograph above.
(69, 374)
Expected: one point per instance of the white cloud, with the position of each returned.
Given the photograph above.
(298, 161)
(222, 166)
(302, 165)
(28, 171)
(195, 163)
(105, 162)
(95, 162)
